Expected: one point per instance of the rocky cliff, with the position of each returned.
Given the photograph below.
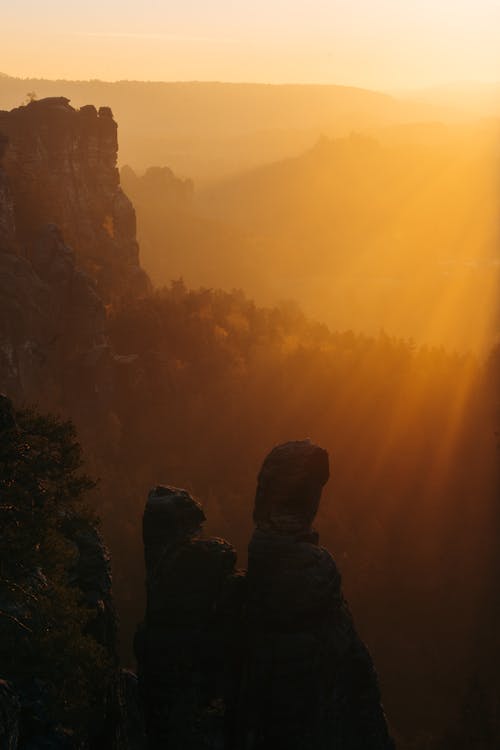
(61, 164)
(67, 248)
(262, 660)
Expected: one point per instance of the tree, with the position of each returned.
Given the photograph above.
(43, 618)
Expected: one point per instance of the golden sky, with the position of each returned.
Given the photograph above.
(386, 44)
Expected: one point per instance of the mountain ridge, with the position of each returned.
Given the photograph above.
(205, 130)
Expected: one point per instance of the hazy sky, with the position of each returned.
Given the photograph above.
(374, 43)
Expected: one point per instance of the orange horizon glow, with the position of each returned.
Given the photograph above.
(387, 45)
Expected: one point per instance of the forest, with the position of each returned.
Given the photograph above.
(395, 231)
(218, 380)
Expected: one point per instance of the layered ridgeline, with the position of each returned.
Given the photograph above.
(207, 130)
(395, 230)
(192, 387)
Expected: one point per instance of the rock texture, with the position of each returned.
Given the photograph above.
(185, 645)
(7, 224)
(261, 661)
(91, 573)
(61, 164)
(67, 248)
(51, 323)
(310, 680)
(9, 717)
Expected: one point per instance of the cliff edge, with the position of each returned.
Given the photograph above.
(61, 164)
(68, 248)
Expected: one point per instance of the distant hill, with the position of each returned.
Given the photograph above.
(396, 232)
(208, 130)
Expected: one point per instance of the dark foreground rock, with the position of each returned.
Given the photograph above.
(265, 660)
(9, 717)
(184, 646)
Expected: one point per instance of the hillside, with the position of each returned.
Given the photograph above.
(208, 130)
(393, 231)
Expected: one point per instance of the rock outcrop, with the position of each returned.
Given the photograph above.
(67, 248)
(310, 682)
(261, 661)
(185, 646)
(91, 574)
(61, 164)
(51, 322)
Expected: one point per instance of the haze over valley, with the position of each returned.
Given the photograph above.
(249, 366)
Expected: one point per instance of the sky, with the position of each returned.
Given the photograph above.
(382, 44)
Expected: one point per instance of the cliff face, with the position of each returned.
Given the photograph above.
(7, 226)
(52, 322)
(263, 660)
(61, 164)
(67, 247)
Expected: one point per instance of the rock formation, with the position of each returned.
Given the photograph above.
(185, 646)
(51, 321)
(61, 164)
(310, 683)
(67, 248)
(273, 654)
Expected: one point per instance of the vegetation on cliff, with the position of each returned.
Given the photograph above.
(45, 647)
